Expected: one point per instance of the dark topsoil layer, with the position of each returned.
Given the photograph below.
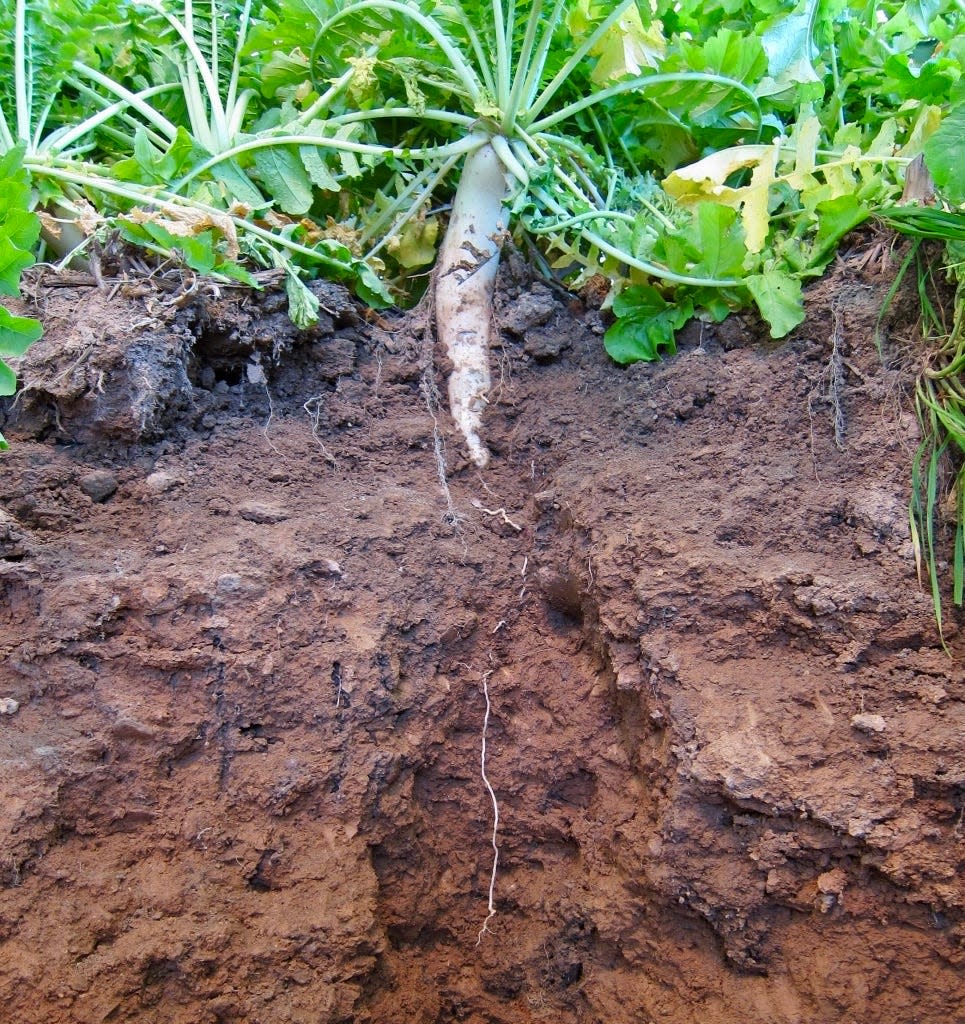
(253, 596)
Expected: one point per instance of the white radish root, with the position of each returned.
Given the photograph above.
(465, 280)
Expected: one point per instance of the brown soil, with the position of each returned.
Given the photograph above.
(247, 626)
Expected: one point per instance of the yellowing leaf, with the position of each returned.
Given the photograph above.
(706, 177)
(627, 48)
(884, 142)
(805, 142)
(755, 215)
(415, 246)
(839, 174)
(184, 222)
(362, 85)
(926, 124)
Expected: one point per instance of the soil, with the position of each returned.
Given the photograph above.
(260, 614)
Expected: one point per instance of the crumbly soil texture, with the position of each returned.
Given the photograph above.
(274, 652)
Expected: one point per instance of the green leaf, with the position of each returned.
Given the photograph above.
(8, 379)
(710, 244)
(16, 334)
(789, 46)
(238, 187)
(13, 261)
(282, 174)
(646, 325)
(945, 156)
(228, 268)
(317, 169)
(836, 218)
(197, 251)
(303, 306)
(778, 297)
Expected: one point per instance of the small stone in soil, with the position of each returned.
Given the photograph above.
(261, 512)
(868, 723)
(160, 482)
(98, 485)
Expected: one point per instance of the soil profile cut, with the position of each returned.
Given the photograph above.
(255, 599)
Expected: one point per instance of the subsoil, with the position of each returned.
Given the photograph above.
(260, 614)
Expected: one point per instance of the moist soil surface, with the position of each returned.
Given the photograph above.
(259, 615)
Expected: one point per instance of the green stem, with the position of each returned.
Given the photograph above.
(432, 114)
(465, 145)
(503, 55)
(416, 205)
(522, 67)
(576, 58)
(330, 94)
(21, 80)
(643, 82)
(6, 137)
(134, 100)
(653, 269)
(57, 143)
(534, 73)
(463, 71)
(236, 62)
(200, 67)
(154, 197)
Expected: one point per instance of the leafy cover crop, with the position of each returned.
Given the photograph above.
(700, 156)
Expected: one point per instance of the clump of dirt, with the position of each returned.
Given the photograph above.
(253, 594)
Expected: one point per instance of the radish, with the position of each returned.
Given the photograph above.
(499, 63)
(465, 277)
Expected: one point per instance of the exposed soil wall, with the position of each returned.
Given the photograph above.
(246, 626)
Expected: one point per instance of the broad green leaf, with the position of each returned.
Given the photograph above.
(8, 379)
(709, 244)
(789, 45)
(11, 162)
(303, 306)
(716, 234)
(228, 268)
(13, 261)
(17, 333)
(317, 169)
(197, 250)
(238, 187)
(370, 288)
(778, 297)
(284, 177)
(350, 162)
(20, 227)
(945, 156)
(836, 217)
(645, 326)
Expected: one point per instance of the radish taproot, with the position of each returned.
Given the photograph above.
(465, 277)
(488, 83)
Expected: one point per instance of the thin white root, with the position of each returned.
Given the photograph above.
(314, 409)
(431, 395)
(492, 796)
(501, 512)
